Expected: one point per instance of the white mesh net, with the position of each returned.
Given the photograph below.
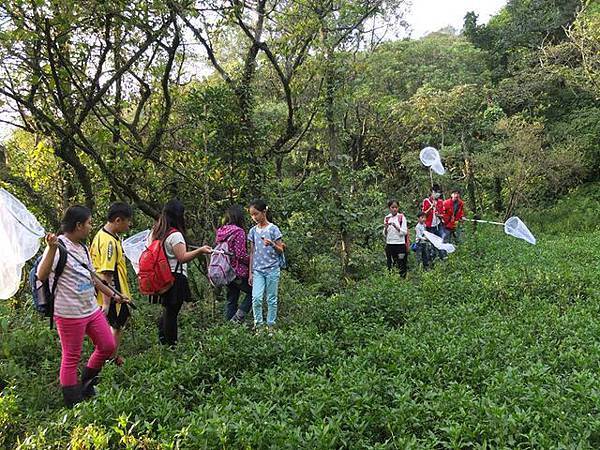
(430, 157)
(515, 227)
(134, 246)
(20, 227)
(439, 243)
(21, 233)
(10, 279)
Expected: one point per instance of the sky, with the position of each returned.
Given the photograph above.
(427, 16)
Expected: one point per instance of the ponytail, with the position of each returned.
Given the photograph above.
(73, 215)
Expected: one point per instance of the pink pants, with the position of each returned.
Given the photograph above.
(72, 333)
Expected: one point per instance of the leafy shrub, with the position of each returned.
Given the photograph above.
(496, 347)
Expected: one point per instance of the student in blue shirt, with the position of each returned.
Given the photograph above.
(266, 254)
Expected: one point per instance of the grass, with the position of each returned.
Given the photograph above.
(497, 348)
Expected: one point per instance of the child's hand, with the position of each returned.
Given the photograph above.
(250, 279)
(52, 240)
(206, 249)
(268, 242)
(121, 299)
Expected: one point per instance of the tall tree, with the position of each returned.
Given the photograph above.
(59, 70)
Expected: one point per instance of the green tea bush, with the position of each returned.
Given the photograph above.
(497, 347)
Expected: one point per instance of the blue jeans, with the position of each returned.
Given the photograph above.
(424, 253)
(234, 290)
(261, 283)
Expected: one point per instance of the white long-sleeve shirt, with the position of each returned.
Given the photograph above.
(420, 232)
(395, 236)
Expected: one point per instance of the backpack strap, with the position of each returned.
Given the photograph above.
(407, 236)
(228, 240)
(431, 205)
(178, 266)
(60, 267)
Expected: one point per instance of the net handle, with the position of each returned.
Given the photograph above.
(485, 221)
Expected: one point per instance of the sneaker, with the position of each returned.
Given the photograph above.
(271, 330)
(259, 328)
(238, 317)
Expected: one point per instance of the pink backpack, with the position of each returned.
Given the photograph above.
(220, 272)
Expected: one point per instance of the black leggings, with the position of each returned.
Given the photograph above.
(172, 301)
(396, 256)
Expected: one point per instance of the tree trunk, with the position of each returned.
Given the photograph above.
(470, 176)
(116, 135)
(245, 97)
(334, 160)
(66, 151)
(279, 167)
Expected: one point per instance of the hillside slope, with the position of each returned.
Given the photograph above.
(498, 347)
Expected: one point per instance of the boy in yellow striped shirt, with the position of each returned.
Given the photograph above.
(109, 261)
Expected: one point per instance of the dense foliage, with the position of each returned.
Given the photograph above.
(298, 103)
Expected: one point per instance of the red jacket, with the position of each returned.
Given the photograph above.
(450, 219)
(439, 208)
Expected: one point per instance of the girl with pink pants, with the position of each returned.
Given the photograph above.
(76, 311)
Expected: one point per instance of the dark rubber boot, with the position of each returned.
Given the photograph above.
(72, 395)
(89, 379)
(238, 317)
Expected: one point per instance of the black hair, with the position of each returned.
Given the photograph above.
(172, 216)
(261, 205)
(73, 215)
(392, 201)
(421, 214)
(436, 188)
(234, 216)
(456, 191)
(119, 210)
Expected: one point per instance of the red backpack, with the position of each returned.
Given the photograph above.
(154, 276)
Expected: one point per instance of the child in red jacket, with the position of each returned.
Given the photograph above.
(454, 212)
(433, 207)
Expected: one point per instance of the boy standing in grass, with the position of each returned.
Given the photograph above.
(423, 245)
(109, 261)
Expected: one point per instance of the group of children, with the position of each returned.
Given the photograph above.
(85, 304)
(437, 216)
